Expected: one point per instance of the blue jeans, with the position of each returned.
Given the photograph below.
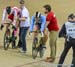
(23, 33)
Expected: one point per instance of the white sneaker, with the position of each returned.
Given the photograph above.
(22, 51)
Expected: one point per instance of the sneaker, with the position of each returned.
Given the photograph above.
(50, 59)
(22, 51)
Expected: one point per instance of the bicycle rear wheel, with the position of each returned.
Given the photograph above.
(13, 44)
(41, 53)
(41, 49)
(6, 42)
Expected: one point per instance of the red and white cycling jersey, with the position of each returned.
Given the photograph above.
(14, 13)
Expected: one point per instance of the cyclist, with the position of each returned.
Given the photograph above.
(38, 22)
(10, 15)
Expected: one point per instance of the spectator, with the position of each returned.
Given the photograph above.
(52, 25)
(68, 31)
(24, 25)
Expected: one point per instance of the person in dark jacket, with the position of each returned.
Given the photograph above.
(68, 32)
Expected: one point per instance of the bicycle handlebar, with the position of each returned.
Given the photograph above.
(42, 34)
(8, 23)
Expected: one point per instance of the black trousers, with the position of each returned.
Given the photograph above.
(68, 45)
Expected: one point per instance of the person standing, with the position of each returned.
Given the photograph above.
(52, 26)
(24, 25)
(68, 31)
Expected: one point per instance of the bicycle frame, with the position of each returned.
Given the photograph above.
(39, 37)
(7, 37)
(37, 45)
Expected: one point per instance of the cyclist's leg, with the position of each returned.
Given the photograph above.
(8, 21)
(13, 39)
(7, 30)
(35, 34)
(15, 29)
(35, 31)
(45, 37)
(15, 33)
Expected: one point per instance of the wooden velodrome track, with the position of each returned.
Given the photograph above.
(12, 58)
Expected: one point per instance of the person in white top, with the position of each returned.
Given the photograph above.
(24, 26)
(25, 17)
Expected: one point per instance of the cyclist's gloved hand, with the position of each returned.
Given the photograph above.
(1, 27)
(42, 34)
(47, 29)
(13, 27)
(30, 32)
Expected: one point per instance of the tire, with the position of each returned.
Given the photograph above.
(13, 39)
(41, 53)
(34, 53)
(13, 44)
(34, 49)
(6, 42)
(41, 49)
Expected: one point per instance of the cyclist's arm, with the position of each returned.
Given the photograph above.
(43, 20)
(15, 17)
(4, 16)
(32, 24)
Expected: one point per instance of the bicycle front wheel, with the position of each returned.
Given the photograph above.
(6, 42)
(34, 49)
(34, 53)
